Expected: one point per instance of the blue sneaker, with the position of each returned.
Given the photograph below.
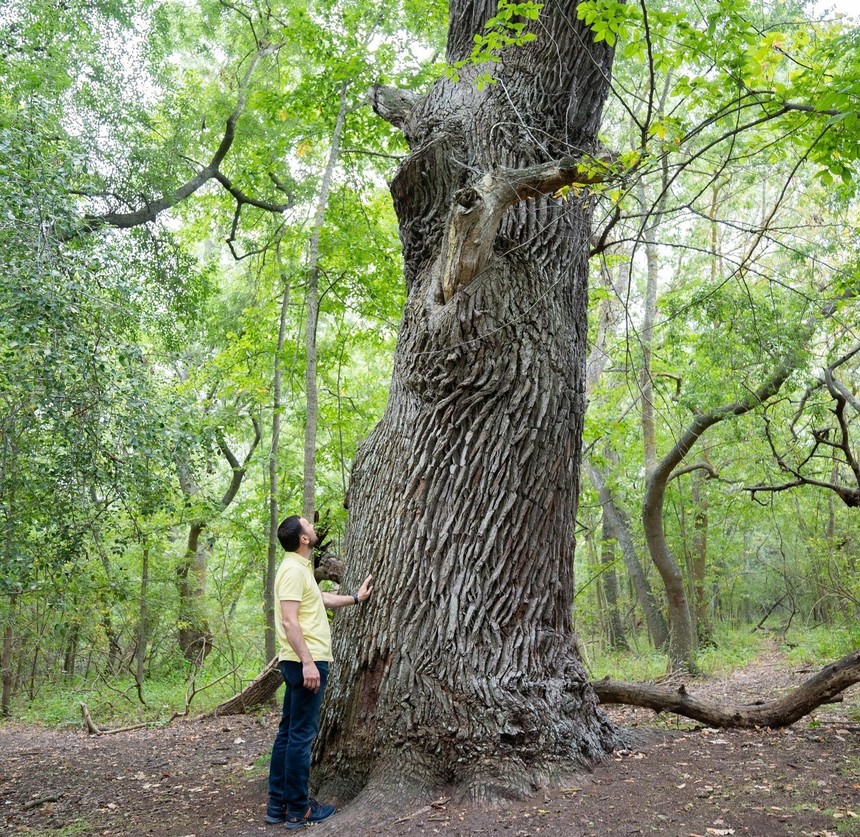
(316, 812)
(276, 819)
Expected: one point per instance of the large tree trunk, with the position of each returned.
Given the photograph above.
(464, 670)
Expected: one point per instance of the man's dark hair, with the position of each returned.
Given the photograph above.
(289, 533)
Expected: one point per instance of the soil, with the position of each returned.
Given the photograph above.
(200, 778)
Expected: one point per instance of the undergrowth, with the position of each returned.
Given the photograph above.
(115, 701)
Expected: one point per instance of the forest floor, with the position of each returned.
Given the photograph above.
(195, 779)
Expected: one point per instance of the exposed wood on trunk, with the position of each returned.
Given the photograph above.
(822, 688)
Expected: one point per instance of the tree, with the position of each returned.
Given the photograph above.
(463, 500)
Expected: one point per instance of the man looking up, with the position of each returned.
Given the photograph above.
(304, 652)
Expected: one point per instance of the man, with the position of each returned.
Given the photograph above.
(304, 652)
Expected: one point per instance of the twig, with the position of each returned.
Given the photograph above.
(94, 729)
(35, 803)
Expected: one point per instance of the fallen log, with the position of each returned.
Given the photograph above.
(819, 689)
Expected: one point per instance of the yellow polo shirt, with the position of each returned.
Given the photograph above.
(295, 582)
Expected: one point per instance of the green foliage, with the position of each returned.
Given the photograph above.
(821, 645)
(130, 356)
(624, 665)
(507, 28)
(732, 648)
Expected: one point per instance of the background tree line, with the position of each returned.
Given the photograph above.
(202, 290)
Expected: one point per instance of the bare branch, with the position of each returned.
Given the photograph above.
(152, 208)
(393, 104)
(699, 466)
(821, 688)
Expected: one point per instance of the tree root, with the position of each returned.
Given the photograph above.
(819, 689)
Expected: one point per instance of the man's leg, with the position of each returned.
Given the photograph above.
(276, 809)
(304, 725)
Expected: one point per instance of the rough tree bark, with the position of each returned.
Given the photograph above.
(464, 671)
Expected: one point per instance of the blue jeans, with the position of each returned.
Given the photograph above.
(291, 754)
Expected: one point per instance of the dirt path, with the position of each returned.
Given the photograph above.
(208, 778)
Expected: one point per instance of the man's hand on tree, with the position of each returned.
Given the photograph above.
(365, 590)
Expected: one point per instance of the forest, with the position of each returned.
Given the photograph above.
(546, 313)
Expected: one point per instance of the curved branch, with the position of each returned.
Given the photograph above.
(239, 470)
(821, 688)
(705, 420)
(699, 466)
(151, 209)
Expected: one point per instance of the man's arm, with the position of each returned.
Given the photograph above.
(290, 618)
(335, 600)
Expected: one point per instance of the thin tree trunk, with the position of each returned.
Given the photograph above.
(6, 659)
(142, 616)
(70, 656)
(312, 304)
(610, 587)
(195, 636)
(646, 381)
(620, 528)
(272, 556)
(704, 629)
(681, 639)
(464, 670)
(7, 486)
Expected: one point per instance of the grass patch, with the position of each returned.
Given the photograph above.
(733, 648)
(115, 702)
(68, 830)
(822, 645)
(628, 665)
